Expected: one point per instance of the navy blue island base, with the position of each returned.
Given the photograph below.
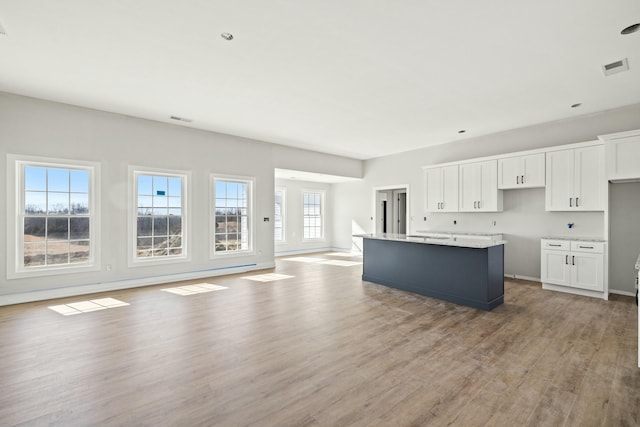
(469, 276)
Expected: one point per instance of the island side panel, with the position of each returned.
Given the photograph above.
(495, 283)
(455, 274)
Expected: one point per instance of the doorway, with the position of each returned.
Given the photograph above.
(391, 213)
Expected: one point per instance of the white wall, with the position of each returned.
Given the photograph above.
(41, 128)
(524, 220)
(295, 242)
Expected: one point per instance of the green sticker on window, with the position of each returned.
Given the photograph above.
(160, 193)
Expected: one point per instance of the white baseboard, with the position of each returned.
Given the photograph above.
(627, 293)
(126, 284)
(575, 291)
(518, 276)
(303, 251)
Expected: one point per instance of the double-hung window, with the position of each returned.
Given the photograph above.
(312, 214)
(160, 215)
(56, 217)
(279, 215)
(232, 216)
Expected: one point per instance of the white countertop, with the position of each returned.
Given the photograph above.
(577, 239)
(457, 233)
(463, 243)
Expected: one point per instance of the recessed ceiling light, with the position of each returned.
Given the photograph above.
(227, 36)
(576, 105)
(180, 119)
(631, 29)
(461, 131)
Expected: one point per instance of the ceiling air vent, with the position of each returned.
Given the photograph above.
(180, 119)
(615, 67)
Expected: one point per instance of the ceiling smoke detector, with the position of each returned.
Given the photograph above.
(615, 67)
(227, 36)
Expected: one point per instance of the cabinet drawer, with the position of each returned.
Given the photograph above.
(592, 247)
(558, 245)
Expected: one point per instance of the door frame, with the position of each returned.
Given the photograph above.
(403, 187)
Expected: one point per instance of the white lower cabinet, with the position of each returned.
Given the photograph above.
(573, 263)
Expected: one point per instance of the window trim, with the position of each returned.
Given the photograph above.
(213, 254)
(15, 199)
(132, 210)
(322, 214)
(283, 214)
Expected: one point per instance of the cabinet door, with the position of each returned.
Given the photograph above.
(587, 271)
(469, 187)
(489, 200)
(509, 173)
(532, 171)
(433, 187)
(623, 155)
(449, 189)
(560, 175)
(589, 179)
(555, 267)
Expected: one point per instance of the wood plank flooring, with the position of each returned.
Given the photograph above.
(321, 349)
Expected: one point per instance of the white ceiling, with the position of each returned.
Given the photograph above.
(361, 78)
(310, 176)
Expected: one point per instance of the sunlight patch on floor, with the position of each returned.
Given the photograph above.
(346, 254)
(268, 277)
(198, 288)
(304, 259)
(87, 306)
(341, 263)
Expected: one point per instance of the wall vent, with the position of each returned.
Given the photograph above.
(615, 67)
(180, 119)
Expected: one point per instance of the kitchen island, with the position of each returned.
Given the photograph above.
(468, 272)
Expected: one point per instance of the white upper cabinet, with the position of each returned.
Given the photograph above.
(575, 179)
(521, 172)
(441, 185)
(623, 155)
(478, 187)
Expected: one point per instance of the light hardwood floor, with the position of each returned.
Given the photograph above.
(321, 349)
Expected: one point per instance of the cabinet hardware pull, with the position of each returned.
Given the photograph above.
(517, 179)
(566, 259)
(478, 204)
(585, 247)
(576, 202)
(474, 205)
(441, 205)
(570, 202)
(521, 179)
(573, 260)
(557, 246)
